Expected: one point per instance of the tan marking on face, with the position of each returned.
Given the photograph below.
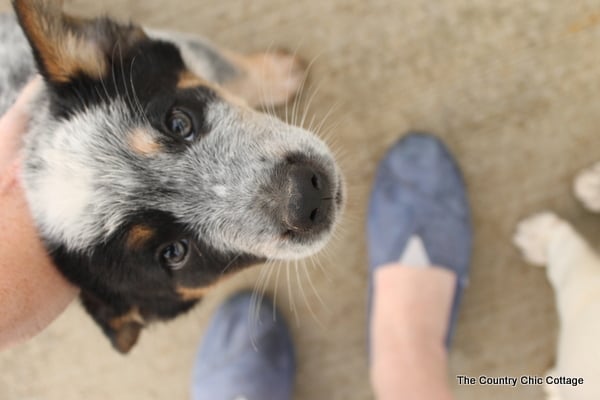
(188, 79)
(196, 293)
(132, 316)
(190, 293)
(142, 142)
(138, 235)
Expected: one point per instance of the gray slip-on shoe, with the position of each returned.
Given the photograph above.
(245, 356)
(419, 191)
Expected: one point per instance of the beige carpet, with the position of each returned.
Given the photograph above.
(512, 86)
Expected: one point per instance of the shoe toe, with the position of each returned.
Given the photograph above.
(246, 353)
(417, 177)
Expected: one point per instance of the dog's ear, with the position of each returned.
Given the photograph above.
(65, 46)
(121, 327)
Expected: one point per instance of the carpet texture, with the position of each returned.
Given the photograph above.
(511, 86)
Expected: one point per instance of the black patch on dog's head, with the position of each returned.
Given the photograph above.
(126, 274)
(136, 74)
(91, 61)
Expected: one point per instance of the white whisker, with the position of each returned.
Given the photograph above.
(303, 293)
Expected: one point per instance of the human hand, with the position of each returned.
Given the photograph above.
(32, 291)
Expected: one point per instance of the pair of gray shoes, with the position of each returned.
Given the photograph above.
(418, 191)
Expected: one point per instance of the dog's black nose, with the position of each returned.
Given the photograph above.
(309, 201)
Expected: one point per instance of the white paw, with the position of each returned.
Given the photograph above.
(533, 236)
(551, 391)
(587, 187)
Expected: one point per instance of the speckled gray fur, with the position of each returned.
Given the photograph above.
(17, 65)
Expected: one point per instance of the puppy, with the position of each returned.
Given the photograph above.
(149, 175)
(573, 269)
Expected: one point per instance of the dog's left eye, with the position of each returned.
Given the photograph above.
(174, 255)
(181, 124)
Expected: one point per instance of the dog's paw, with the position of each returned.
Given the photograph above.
(551, 391)
(533, 236)
(278, 76)
(587, 187)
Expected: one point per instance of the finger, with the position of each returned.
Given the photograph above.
(27, 94)
(14, 123)
(32, 290)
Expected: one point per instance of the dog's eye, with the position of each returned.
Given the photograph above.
(181, 124)
(174, 255)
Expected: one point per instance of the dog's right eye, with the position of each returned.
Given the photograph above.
(181, 124)
(174, 255)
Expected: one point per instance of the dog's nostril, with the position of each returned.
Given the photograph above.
(307, 206)
(315, 182)
(313, 214)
